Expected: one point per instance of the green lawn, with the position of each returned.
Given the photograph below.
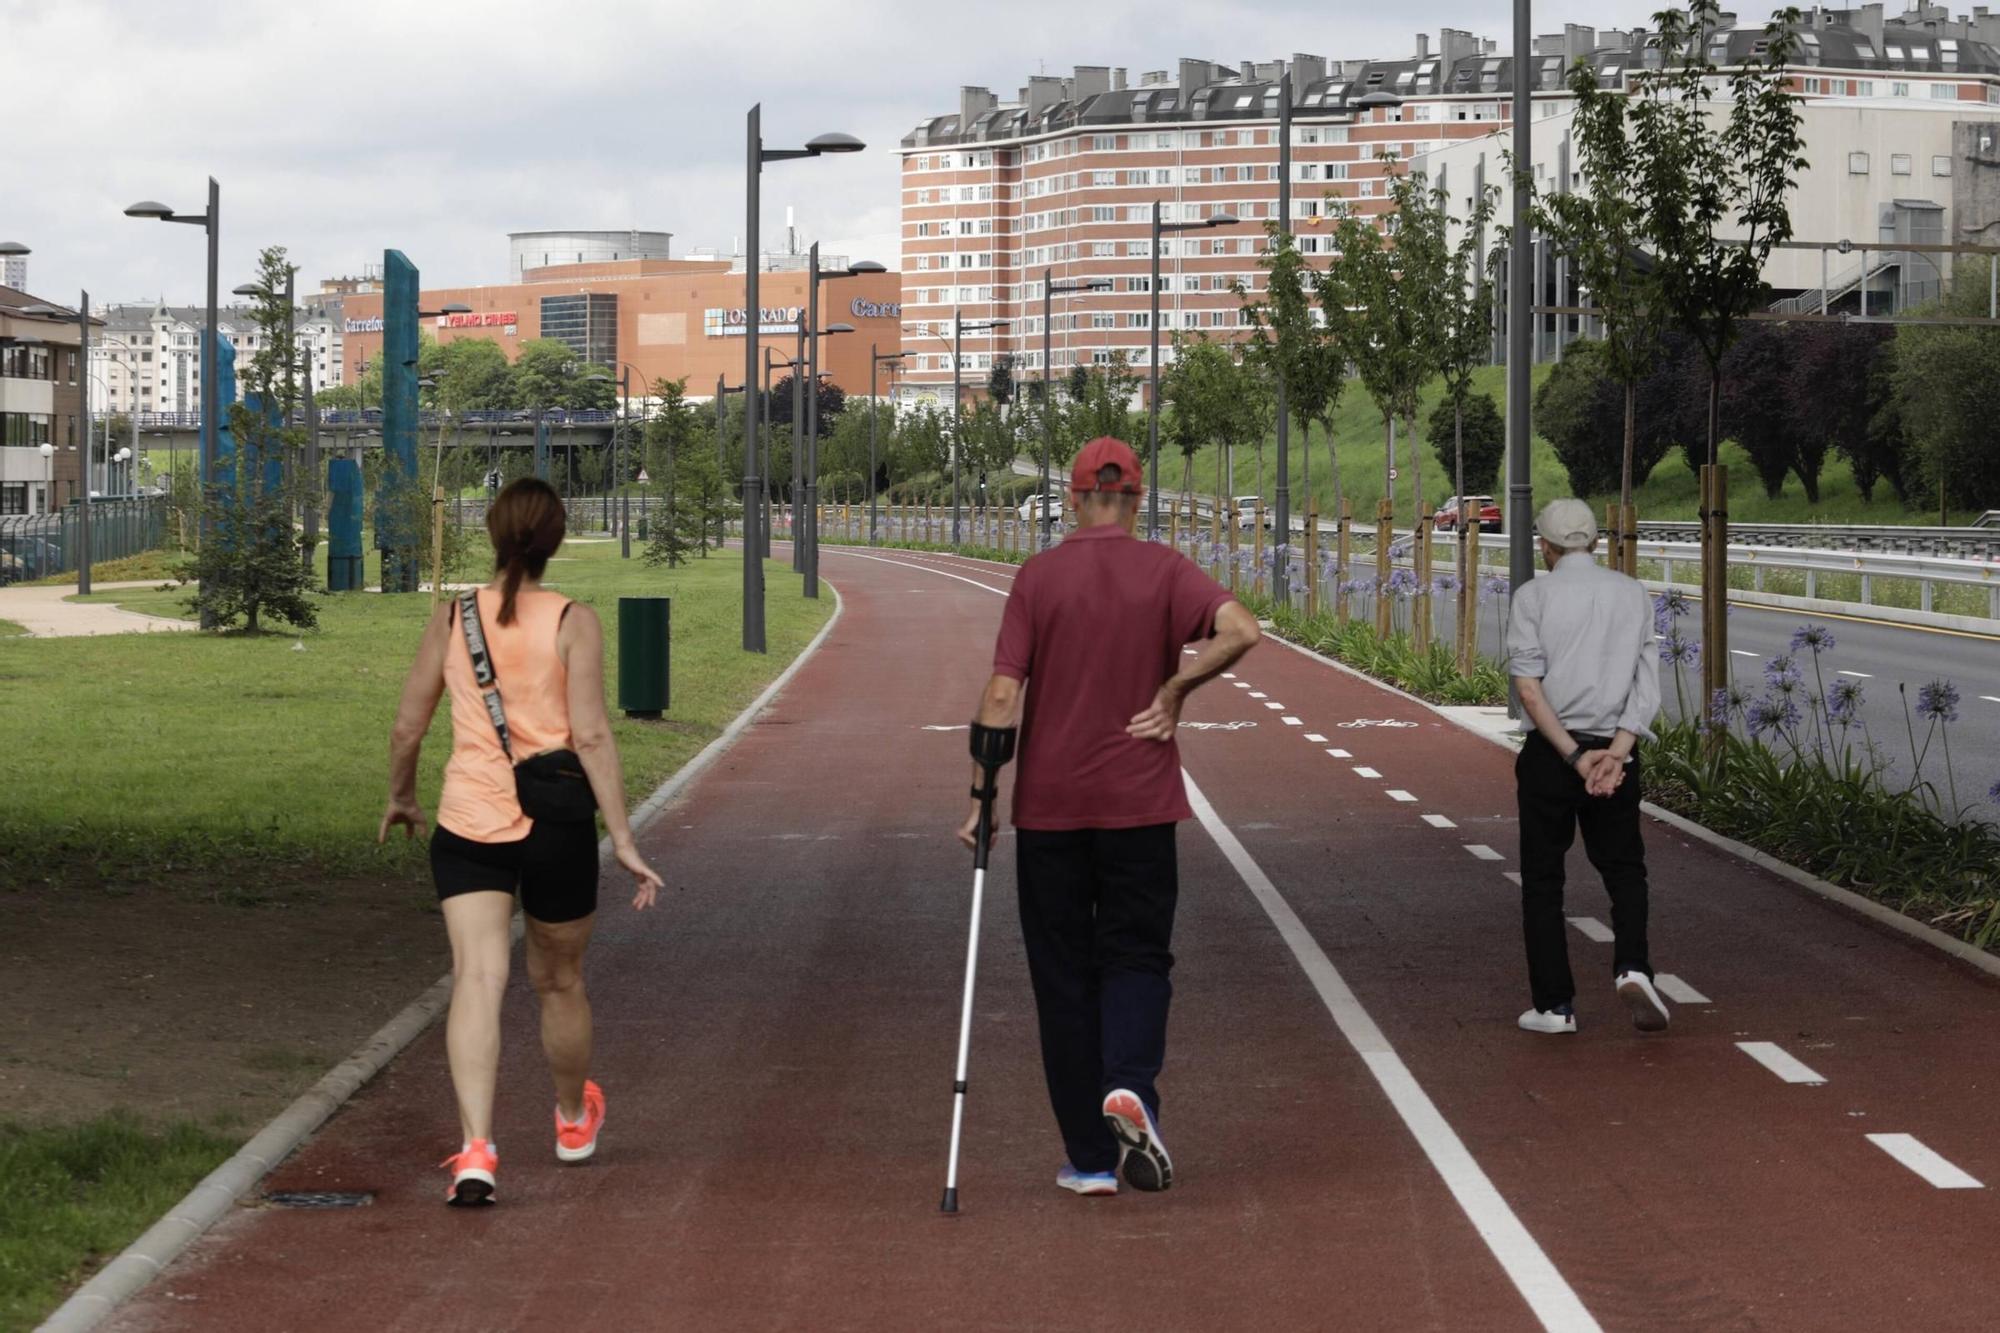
(1670, 493)
(73, 1192)
(189, 749)
(9, 630)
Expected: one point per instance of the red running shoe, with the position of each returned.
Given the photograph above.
(575, 1143)
(472, 1169)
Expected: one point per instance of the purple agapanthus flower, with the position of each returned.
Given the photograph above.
(1812, 638)
(1782, 672)
(1444, 583)
(1993, 793)
(1938, 701)
(1727, 704)
(1402, 583)
(1774, 712)
(1843, 701)
(1679, 652)
(1497, 585)
(1668, 607)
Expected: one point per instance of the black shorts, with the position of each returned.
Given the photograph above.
(554, 868)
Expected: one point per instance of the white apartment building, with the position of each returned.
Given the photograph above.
(147, 357)
(1062, 180)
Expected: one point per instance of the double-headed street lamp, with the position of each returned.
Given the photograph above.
(210, 220)
(1049, 288)
(1153, 365)
(959, 328)
(875, 361)
(755, 156)
(859, 268)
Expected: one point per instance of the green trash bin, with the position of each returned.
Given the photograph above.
(645, 633)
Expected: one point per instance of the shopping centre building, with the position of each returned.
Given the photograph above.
(1060, 181)
(662, 318)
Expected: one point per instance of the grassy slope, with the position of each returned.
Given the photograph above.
(1670, 493)
(197, 749)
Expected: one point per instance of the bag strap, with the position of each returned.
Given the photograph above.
(482, 666)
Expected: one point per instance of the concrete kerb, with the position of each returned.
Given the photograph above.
(1977, 958)
(211, 1200)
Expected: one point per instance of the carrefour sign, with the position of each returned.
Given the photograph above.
(876, 309)
(371, 325)
(721, 323)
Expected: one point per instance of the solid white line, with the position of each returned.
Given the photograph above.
(928, 569)
(1548, 1295)
(1858, 675)
(1315, 738)
(1291, 722)
(1439, 821)
(1366, 773)
(1483, 852)
(1907, 1149)
(1593, 929)
(1395, 795)
(1779, 1061)
(1679, 991)
(1340, 754)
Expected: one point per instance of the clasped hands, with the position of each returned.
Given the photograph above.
(1602, 772)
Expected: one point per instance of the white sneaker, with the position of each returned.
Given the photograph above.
(1649, 1014)
(1146, 1164)
(1087, 1183)
(1554, 1021)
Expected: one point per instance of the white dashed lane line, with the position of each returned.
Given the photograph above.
(1395, 795)
(1229, 675)
(1257, 694)
(1592, 929)
(1315, 738)
(1483, 852)
(1679, 991)
(1858, 675)
(1780, 1062)
(1741, 653)
(1439, 821)
(1935, 1170)
(1991, 698)
(1242, 684)
(1366, 773)
(1340, 754)
(1513, 875)
(1291, 722)
(1276, 708)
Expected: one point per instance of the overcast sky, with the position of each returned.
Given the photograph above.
(437, 126)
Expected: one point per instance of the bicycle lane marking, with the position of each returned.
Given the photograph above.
(1527, 1266)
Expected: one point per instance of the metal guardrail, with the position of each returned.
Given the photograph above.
(39, 546)
(373, 417)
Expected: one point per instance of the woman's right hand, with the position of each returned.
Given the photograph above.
(405, 812)
(646, 883)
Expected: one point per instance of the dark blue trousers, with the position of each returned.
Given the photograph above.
(1097, 916)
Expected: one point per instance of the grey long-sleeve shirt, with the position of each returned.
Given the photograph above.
(1586, 633)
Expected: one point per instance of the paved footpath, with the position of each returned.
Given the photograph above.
(46, 613)
(1362, 1138)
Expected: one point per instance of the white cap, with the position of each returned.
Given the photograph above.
(1568, 524)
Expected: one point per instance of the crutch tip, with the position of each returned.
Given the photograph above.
(950, 1204)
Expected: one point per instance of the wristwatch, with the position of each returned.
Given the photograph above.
(1575, 755)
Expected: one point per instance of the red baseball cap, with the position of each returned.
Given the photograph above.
(1103, 452)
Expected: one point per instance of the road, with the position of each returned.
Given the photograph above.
(1363, 1139)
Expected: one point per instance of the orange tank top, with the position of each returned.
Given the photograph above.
(478, 801)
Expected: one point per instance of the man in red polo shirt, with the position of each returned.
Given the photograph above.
(1096, 628)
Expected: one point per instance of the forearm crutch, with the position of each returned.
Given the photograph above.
(992, 747)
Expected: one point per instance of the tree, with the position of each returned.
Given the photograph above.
(472, 375)
(1836, 387)
(1196, 393)
(1580, 411)
(1756, 411)
(832, 402)
(1000, 383)
(1601, 230)
(549, 375)
(247, 566)
(1100, 401)
(1292, 341)
(1469, 440)
(1946, 384)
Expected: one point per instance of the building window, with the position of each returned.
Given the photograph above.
(14, 498)
(1944, 92)
(1814, 86)
(1899, 90)
(1940, 166)
(1857, 164)
(1899, 164)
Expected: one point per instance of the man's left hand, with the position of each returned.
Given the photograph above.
(1603, 772)
(1159, 722)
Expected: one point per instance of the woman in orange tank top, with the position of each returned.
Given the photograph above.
(546, 656)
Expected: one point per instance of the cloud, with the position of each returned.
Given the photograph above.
(436, 126)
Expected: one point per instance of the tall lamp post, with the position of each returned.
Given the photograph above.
(755, 156)
(1153, 364)
(210, 221)
(875, 362)
(89, 463)
(618, 465)
(1520, 261)
(1049, 288)
(859, 268)
(959, 328)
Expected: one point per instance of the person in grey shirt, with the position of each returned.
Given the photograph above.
(1581, 650)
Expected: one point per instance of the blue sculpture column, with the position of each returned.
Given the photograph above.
(343, 526)
(222, 468)
(394, 504)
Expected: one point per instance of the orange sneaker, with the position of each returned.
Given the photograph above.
(576, 1142)
(472, 1169)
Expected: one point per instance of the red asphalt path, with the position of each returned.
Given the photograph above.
(776, 1046)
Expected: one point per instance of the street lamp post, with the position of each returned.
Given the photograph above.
(210, 220)
(1153, 362)
(854, 270)
(83, 357)
(1049, 288)
(1520, 483)
(755, 156)
(875, 360)
(959, 328)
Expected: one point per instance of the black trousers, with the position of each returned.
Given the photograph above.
(1097, 915)
(1554, 805)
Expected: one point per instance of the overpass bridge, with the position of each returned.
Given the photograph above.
(363, 428)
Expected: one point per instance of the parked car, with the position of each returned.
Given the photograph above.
(1246, 512)
(1446, 518)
